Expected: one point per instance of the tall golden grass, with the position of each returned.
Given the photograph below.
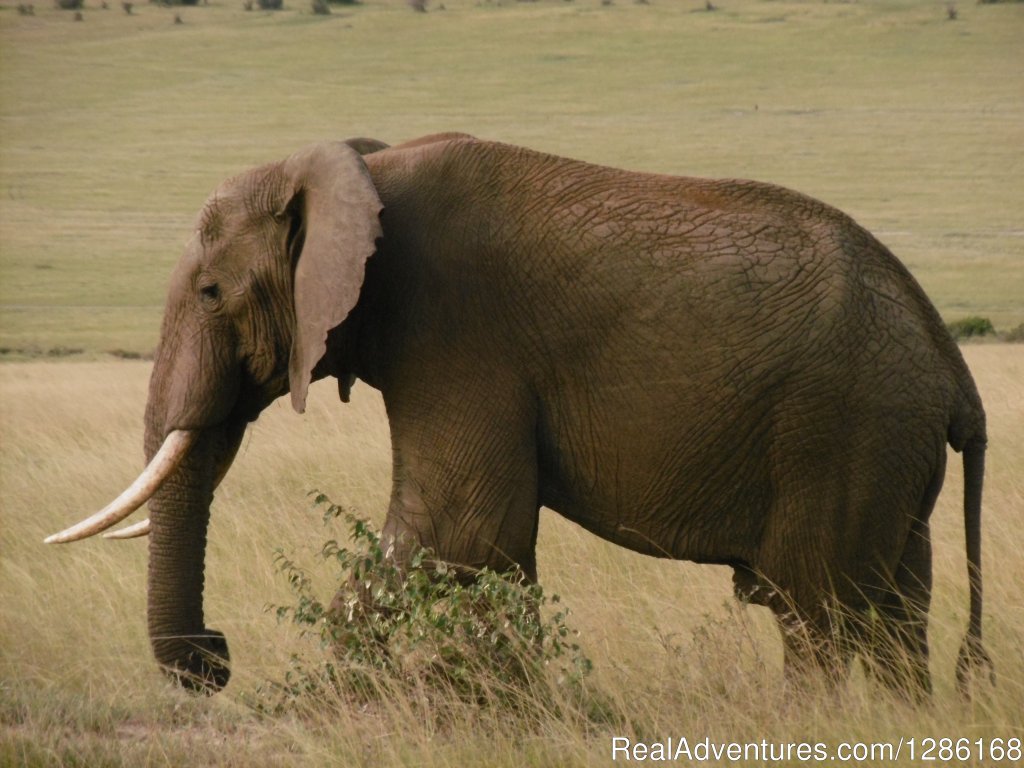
(673, 655)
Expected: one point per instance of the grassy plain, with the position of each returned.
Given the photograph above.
(673, 656)
(114, 129)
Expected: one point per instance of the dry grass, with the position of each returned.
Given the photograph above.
(673, 655)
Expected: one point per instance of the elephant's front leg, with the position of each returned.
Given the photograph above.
(465, 476)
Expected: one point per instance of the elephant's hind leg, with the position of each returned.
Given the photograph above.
(897, 642)
(894, 639)
(813, 645)
(899, 650)
(848, 544)
(816, 650)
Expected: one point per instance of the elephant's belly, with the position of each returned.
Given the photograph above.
(705, 521)
(664, 469)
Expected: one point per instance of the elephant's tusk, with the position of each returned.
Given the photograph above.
(142, 527)
(130, 532)
(176, 446)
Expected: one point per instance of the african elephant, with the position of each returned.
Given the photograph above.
(721, 371)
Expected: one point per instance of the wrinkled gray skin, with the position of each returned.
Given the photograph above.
(719, 371)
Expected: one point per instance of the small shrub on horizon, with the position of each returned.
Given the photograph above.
(426, 632)
(970, 327)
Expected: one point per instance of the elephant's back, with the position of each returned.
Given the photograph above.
(617, 273)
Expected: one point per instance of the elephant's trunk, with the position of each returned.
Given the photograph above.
(195, 656)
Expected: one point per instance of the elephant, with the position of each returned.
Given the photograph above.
(721, 371)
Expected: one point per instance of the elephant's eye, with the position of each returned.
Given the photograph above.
(210, 293)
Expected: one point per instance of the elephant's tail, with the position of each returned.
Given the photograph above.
(972, 653)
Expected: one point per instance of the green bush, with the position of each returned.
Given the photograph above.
(428, 632)
(970, 327)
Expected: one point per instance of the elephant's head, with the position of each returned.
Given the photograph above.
(276, 261)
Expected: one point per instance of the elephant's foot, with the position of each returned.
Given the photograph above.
(895, 655)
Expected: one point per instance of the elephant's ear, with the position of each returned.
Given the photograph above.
(366, 146)
(335, 225)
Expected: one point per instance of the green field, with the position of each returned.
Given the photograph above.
(114, 129)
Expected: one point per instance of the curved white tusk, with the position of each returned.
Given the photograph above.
(140, 528)
(176, 446)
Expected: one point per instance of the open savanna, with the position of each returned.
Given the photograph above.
(672, 654)
(114, 129)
